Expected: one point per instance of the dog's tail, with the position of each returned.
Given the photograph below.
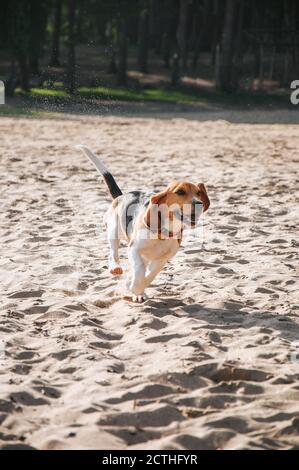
(114, 189)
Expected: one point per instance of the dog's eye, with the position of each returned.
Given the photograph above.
(180, 192)
(199, 193)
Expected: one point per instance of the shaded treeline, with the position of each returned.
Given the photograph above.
(255, 39)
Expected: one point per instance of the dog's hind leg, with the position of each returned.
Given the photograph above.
(113, 240)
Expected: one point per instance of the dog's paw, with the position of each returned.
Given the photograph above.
(140, 298)
(116, 271)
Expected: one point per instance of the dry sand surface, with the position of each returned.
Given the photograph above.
(209, 361)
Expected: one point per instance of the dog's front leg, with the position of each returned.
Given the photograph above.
(137, 284)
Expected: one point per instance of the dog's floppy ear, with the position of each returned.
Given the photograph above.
(203, 195)
(158, 198)
(153, 216)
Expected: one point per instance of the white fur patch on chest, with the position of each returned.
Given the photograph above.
(157, 249)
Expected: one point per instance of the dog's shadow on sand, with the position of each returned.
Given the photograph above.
(226, 318)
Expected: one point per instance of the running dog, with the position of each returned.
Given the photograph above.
(152, 224)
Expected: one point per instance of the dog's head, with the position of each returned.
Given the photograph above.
(180, 204)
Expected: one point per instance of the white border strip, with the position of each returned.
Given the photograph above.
(2, 92)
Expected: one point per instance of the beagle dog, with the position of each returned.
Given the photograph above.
(151, 224)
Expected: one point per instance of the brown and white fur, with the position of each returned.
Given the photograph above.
(132, 217)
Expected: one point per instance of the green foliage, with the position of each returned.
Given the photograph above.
(122, 94)
(161, 95)
(16, 111)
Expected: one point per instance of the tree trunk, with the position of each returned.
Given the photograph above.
(111, 39)
(261, 71)
(272, 63)
(122, 51)
(285, 82)
(225, 76)
(38, 19)
(256, 60)
(166, 36)
(175, 72)
(217, 66)
(71, 47)
(217, 22)
(12, 80)
(143, 38)
(21, 41)
(112, 60)
(257, 23)
(80, 17)
(180, 54)
(54, 62)
(155, 25)
(203, 26)
(294, 16)
(24, 70)
(181, 33)
(238, 58)
(166, 48)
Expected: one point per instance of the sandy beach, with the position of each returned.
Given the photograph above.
(211, 360)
